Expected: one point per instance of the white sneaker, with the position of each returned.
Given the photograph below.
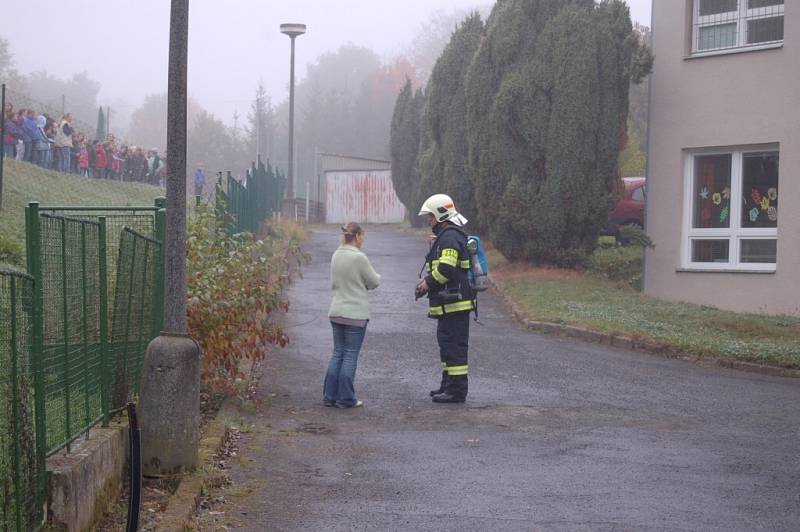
(356, 405)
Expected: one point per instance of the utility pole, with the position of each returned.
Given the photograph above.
(258, 130)
(2, 139)
(316, 170)
(170, 387)
(308, 196)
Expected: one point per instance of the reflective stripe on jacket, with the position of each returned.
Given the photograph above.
(447, 265)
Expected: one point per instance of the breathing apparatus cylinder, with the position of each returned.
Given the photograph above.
(478, 278)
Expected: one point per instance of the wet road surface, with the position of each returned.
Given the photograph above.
(555, 434)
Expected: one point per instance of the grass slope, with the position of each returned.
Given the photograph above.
(25, 182)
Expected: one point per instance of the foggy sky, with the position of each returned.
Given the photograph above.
(232, 44)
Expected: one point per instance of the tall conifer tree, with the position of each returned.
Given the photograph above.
(545, 154)
(443, 161)
(404, 145)
(101, 125)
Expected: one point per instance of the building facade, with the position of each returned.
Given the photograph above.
(723, 198)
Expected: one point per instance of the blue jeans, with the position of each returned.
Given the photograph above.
(341, 374)
(64, 159)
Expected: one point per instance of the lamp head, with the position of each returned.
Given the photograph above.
(292, 29)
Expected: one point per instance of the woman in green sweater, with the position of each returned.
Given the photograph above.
(351, 276)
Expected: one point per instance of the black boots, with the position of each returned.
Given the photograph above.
(448, 398)
(442, 385)
(451, 390)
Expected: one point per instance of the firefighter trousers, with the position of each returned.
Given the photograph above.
(452, 333)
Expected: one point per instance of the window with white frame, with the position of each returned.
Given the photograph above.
(730, 24)
(731, 210)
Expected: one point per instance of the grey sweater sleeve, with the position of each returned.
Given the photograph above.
(371, 278)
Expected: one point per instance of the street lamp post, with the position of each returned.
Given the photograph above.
(293, 31)
(170, 386)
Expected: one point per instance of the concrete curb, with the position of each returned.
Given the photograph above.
(183, 503)
(591, 336)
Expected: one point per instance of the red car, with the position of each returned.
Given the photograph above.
(629, 210)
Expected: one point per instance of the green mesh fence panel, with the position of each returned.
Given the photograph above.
(141, 221)
(71, 353)
(133, 321)
(256, 198)
(237, 204)
(21, 470)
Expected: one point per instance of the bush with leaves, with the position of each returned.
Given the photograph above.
(235, 292)
(622, 263)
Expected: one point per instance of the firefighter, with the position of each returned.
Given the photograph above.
(450, 298)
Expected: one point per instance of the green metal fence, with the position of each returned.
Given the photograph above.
(147, 221)
(73, 334)
(134, 321)
(254, 199)
(67, 258)
(22, 481)
(80, 261)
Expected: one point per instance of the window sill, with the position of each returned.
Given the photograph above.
(728, 51)
(704, 270)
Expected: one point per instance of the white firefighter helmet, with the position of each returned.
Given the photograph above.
(441, 206)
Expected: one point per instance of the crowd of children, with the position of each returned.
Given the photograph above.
(56, 145)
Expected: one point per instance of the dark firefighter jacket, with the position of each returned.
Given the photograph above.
(447, 265)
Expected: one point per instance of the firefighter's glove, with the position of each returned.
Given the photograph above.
(421, 289)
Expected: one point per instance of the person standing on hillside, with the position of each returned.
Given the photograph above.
(13, 134)
(30, 133)
(63, 143)
(199, 180)
(83, 160)
(100, 161)
(352, 276)
(450, 297)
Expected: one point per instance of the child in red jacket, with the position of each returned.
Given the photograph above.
(83, 160)
(100, 161)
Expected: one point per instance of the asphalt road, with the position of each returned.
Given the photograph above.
(555, 434)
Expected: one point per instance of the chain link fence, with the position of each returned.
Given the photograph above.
(21, 468)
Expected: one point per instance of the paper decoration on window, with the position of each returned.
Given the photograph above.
(726, 193)
(754, 214)
(723, 215)
(772, 213)
(756, 195)
(764, 203)
(772, 193)
(716, 198)
(704, 193)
